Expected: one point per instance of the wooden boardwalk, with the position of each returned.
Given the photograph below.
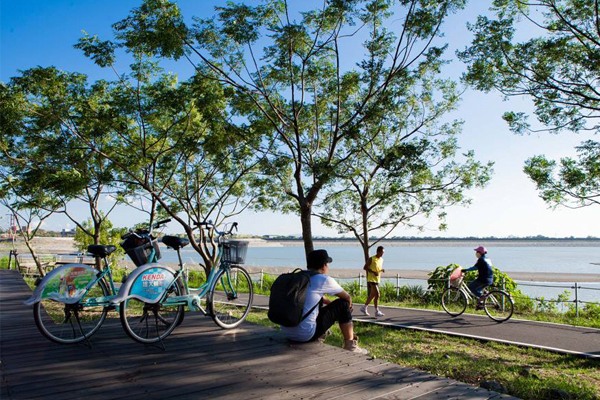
(200, 361)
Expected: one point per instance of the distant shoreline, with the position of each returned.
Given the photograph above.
(48, 245)
(434, 242)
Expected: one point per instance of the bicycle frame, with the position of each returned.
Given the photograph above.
(484, 294)
(496, 303)
(465, 289)
(151, 283)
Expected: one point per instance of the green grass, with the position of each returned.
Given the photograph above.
(530, 374)
(415, 297)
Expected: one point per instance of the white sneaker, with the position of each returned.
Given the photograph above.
(379, 313)
(365, 310)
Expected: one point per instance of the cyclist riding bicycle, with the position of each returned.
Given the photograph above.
(485, 277)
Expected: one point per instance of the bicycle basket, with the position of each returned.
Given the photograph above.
(455, 283)
(234, 251)
(456, 277)
(139, 254)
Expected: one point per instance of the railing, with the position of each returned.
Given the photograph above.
(576, 286)
(576, 295)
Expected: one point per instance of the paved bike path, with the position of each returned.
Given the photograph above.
(555, 337)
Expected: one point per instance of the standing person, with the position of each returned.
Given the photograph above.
(485, 275)
(316, 324)
(374, 268)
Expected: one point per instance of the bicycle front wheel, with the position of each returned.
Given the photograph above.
(231, 296)
(498, 305)
(72, 323)
(454, 301)
(151, 322)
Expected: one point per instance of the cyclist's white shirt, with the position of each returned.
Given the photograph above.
(320, 285)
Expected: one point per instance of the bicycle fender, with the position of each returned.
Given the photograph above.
(146, 283)
(66, 284)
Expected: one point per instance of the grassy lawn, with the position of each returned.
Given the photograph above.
(525, 373)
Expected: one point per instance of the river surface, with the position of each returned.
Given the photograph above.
(570, 257)
(554, 257)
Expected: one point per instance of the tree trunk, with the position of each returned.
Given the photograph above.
(36, 259)
(306, 221)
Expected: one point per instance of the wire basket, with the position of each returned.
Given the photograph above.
(234, 251)
(139, 254)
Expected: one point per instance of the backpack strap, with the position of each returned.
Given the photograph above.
(311, 273)
(311, 310)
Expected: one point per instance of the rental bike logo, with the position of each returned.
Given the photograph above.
(153, 280)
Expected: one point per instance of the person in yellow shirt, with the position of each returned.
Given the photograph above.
(374, 268)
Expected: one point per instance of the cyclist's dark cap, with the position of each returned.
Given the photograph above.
(317, 258)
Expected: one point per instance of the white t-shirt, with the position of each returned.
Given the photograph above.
(320, 285)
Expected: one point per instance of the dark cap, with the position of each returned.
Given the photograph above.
(317, 258)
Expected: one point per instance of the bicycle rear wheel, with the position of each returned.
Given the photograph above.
(151, 322)
(454, 301)
(498, 305)
(72, 323)
(231, 296)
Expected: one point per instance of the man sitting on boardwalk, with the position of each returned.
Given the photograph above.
(316, 324)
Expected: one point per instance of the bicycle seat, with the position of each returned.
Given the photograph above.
(175, 242)
(101, 250)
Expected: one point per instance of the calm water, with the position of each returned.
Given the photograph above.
(427, 256)
(518, 257)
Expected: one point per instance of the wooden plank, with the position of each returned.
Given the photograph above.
(200, 360)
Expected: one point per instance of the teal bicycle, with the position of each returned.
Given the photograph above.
(153, 299)
(72, 301)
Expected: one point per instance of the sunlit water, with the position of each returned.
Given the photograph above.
(553, 257)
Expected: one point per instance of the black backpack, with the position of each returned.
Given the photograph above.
(288, 294)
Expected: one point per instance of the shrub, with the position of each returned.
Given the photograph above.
(523, 304)
(265, 286)
(118, 273)
(353, 289)
(387, 292)
(196, 278)
(412, 294)
(589, 311)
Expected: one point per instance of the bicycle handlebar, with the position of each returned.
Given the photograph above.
(160, 223)
(140, 233)
(210, 224)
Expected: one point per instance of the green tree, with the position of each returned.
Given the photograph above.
(574, 182)
(42, 107)
(408, 168)
(172, 144)
(290, 78)
(559, 69)
(28, 215)
(108, 235)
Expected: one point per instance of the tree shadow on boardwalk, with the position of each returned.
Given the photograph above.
(199, 360)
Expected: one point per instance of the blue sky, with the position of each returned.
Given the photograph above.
(43, 32)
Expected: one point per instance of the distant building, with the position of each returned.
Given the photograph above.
(67, 233)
